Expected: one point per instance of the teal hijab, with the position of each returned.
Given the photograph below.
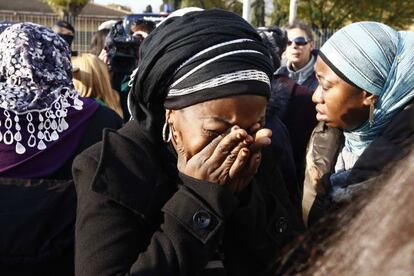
(379, 60)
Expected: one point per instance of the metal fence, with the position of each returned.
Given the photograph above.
(320, 36)
(85, 26)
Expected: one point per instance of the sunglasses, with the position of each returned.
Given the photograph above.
(300, 41)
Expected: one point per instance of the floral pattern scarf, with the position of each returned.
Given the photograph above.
(37, 96)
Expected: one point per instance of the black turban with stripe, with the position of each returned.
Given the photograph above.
(200, 56)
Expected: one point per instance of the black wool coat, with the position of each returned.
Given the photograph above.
(137, 215)
(37, 226)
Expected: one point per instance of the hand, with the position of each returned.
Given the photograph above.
(241, 178)
(230, 159)
(104, 56)
(140, 33)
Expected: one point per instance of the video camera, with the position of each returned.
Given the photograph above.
(122, 47)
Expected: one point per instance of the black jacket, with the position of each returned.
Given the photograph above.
(38, 215)
(37, 225)
(137, 216)
(103, 117)
(292, 103)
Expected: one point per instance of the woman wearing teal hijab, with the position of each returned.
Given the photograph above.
(364, 103)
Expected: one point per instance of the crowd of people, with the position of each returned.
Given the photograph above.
(218, 149)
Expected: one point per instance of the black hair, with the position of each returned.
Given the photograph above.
(276, 40)
(98, 41)
(66, 25)
(148, 26)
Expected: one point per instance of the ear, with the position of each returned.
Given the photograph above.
(369, 99)
(170, 119)
(167, 115)
(312, 45)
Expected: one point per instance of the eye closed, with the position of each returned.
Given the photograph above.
(211, 133)
(324, 88)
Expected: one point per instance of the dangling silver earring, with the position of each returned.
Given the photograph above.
(371, 114)
(166, 137)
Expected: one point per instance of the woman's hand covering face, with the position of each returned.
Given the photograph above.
(220, 140)
(230, 159)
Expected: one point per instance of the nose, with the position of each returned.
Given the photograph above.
(317, 96)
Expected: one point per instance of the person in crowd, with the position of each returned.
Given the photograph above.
(91, 79)
(107, 25)
(281, 143)
(121, 77)
(291, 103)
(142, 28)
(364, 103)
(175, 191)
(372, 234)
(98, 38)
(276, 40)
(98, 42)
(301, 56)
(66, 31)
(44, 122)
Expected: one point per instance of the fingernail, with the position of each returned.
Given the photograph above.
(244, 152)
(238, 136)
(235, 127)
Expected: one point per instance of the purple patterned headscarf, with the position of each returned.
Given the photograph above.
(4, 25)
(37, 96)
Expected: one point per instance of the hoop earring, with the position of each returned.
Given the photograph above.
(371, 114)
(166, 137)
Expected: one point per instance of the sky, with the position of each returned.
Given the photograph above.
(137, 6)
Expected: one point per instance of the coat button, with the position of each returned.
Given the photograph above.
(281, 225)
(202, 219)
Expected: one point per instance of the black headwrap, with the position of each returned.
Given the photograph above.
(178, 41)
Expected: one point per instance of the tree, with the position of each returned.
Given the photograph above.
(280, 14)
(119, 7)
(235, 6)
(148, 9)
(204, 4)
(396, 13)
(334, 14)
(258, 19)
(67, 9)
(229, 5)
(328, 14)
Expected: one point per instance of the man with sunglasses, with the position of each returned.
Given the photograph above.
(300, 55)
(292, 104)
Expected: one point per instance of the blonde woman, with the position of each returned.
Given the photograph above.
(91, 79)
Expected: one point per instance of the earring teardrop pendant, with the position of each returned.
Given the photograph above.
(371, 115)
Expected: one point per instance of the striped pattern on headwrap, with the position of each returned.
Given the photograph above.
(379, 60)
(244, 75)
(222, 79)
(196, 57)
